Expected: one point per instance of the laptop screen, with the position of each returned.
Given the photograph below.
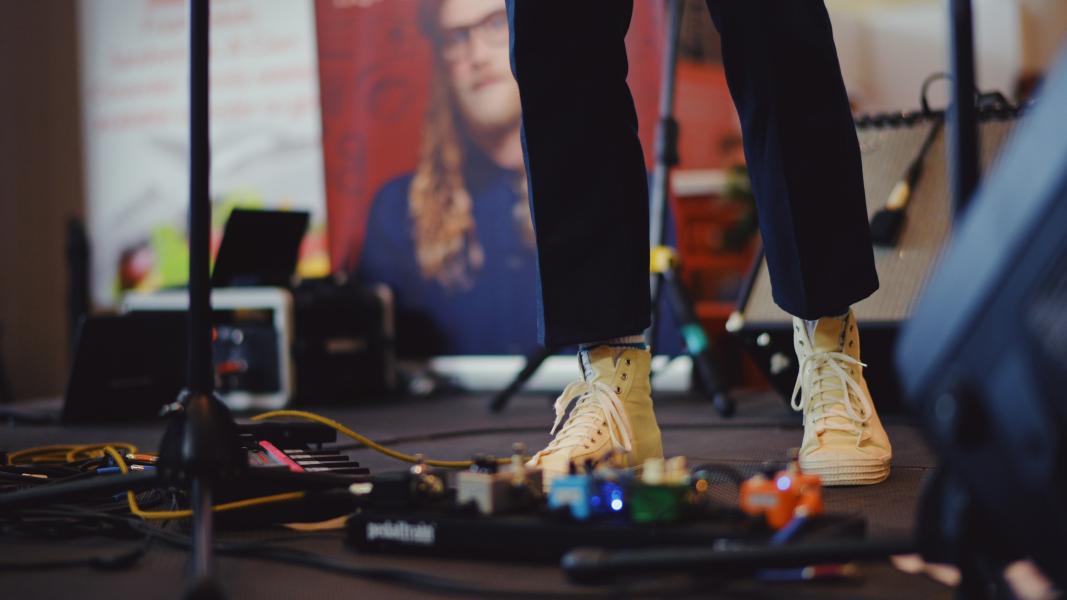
(260, 248)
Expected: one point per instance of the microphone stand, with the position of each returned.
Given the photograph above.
(949, 525)
(665, 282)
(200, 445)
(962, 114)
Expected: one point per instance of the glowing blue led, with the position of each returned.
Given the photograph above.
(611, 495)
(783, 483)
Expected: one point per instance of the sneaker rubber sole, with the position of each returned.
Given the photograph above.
(837, 473)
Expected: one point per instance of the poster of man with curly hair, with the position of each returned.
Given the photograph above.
(425, 181)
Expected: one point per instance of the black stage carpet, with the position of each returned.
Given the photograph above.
(457, 427)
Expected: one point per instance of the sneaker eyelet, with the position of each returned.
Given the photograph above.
(627, 362)
(618, 390)
(624, 376)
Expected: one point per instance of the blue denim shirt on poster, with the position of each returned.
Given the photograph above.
(497, 313)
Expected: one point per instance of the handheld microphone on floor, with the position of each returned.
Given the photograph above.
(598, 565)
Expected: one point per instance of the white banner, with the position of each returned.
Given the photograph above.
(265, 128)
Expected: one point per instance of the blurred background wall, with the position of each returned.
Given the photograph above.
(40, 188)
(886, 47)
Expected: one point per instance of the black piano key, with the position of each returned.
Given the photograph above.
(310, 452)
(339, 471)
(304, 457)
(334, 465)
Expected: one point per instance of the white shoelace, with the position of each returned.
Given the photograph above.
(597, 408)
(820, 375)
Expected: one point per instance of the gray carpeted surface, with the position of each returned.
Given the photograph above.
(762, 430)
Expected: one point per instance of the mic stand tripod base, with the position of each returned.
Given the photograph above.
(199, 448)
(534, 360)
(204, 589)
(204, 585)
(709, 375)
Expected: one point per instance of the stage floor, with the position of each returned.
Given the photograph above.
(457, 427)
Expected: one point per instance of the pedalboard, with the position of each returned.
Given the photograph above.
(499, 510)
(547, 537)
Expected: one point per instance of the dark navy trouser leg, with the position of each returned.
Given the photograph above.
(802, 152)
(588, 185)
(585, 167)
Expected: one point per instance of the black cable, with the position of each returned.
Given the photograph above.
(48, 468)
(923, 102)
(104, 484)
(721, 469)
(395, 576)
(422, 581)
(479, 431)
(55, 473)
(791, 423)
(43, 566)
(75, 477)
(28, 417)
(69, 522)
(20, 478)
(788, 422)
(265, 550)
(123, 560)
(597, 565)
(261, 551)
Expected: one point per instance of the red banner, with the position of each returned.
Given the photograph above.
(375, 69)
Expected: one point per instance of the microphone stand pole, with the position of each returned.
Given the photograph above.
(200, 446)
(665, 283)
(962, 115)
(948, 527)
(200, 377)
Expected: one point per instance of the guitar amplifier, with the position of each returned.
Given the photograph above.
(888, 144)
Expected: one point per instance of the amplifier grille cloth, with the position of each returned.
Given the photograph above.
(903, 269)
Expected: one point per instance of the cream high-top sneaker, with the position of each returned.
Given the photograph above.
(844, 441)
(607, 412)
